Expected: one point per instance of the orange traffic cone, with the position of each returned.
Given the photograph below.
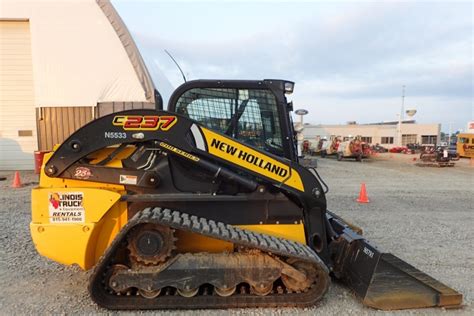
(363, 198)
(16, 180)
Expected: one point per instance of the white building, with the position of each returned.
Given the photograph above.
(61, 64)
(470, 127)
(384, 134)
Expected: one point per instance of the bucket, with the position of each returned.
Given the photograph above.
(39, 155)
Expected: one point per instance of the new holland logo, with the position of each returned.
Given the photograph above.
(258, 161)
(251, 159)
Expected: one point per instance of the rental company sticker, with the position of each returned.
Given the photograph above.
(126, 179)
(66, 207)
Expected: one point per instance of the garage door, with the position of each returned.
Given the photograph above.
(17, 112)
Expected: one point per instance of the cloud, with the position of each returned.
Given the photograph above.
(358, 54)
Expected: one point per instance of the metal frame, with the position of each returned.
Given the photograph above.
(275, 86)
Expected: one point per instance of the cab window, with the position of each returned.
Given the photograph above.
(249, 115)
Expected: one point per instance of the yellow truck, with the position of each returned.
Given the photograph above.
(465, 145)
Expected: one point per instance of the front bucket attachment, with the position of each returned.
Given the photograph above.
(382, 280)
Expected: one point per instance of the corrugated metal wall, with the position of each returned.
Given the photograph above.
(55, 124)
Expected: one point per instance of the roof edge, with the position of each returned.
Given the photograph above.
(130, 47)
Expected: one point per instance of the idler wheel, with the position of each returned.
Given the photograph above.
(304, 267)
(224, 292)
(149, 294)
(188, 292)
(262, 289)
(110, 273)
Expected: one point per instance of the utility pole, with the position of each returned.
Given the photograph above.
(449, 135)
(400, 119)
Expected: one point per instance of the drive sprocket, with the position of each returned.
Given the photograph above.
(150, 244)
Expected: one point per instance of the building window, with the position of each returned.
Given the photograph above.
(408, 139)
(387, 140)
(345, 139)
(429, 139)
(366, 139)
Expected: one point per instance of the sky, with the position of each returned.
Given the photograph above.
(349, 59)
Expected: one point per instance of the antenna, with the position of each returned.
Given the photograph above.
(403, 102)
(182, 73)
(400, 119)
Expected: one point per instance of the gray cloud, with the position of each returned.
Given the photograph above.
(363, 52)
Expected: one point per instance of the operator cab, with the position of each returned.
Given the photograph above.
(253, 112)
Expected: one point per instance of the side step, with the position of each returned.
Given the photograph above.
(382, 280)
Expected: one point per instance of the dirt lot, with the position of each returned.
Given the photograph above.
(423, 215)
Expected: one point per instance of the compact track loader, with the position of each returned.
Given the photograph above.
(206, 206)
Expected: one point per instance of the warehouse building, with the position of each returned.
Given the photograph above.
(384, 133)
(62, 64)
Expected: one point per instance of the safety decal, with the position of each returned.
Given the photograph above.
(82, 173)
(66, 207)
(127, 179)
(145, 123)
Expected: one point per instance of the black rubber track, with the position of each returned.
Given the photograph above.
(182, 221)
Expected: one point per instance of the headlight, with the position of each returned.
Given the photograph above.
(289, 86)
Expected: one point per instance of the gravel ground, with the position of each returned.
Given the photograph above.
(423, 215)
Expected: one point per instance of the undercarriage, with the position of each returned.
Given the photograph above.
(143, 270)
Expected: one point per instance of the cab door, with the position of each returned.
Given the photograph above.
(253, 112)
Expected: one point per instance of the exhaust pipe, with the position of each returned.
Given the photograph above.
(382, 280)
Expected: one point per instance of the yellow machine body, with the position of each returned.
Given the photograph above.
(82, 238)
(103, 216)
